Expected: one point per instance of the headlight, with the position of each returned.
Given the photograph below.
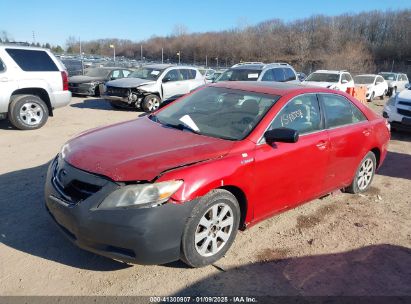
(63, 151)
(144, 195)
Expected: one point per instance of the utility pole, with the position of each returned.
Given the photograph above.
(34, 38)
(112, 46)
(162, 55)
(217, 61)
(141, 53)
(179, 57)
(206, 60)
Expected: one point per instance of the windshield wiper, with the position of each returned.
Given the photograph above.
(181, 126)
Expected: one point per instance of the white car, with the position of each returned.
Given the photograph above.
(376, 85)
(147, 87)
(335, 80)
(397, 110)
(33, 82)
(396, 82)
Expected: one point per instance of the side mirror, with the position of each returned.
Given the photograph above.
(281, 135)
(165, 80)
(344, 81)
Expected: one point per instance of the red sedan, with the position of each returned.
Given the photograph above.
(180, 183)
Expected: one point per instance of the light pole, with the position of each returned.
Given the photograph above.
(112, 46)
(217, 61)
(179, 55)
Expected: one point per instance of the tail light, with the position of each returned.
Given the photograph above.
(64, 78)
(388, 125)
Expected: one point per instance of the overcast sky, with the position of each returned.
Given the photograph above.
(54, 21)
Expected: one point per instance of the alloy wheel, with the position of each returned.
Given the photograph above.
(365, 174)
(214, 229)
(31, 113)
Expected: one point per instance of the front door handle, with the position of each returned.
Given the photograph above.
(366, 132)
(4, 79)
(322, 145)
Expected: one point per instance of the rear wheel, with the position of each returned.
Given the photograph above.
(364, 174)
(393, 91)
(382, 96)
(28, 112)
(151, 103)
(211, 229)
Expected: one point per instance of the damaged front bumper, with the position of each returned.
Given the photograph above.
(135, 235)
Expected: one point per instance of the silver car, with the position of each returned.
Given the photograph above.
(396, 81)
(147, 87)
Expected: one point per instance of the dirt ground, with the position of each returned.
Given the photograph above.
(339, 245)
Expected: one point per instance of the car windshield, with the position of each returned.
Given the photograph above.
(323, 77)
(240, 75)
(97, 72)
(388, 76)
(147, 73)
(217, 112)
(364, 79)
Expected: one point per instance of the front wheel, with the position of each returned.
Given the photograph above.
(384, 94)
(372, 96)
(364, 174)
(393, 91)
(28, 112)
(151, 103)
(211, 228)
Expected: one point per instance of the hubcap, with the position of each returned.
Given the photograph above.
(365, 175)
(31, 113)
(214, 230)
(153, 104)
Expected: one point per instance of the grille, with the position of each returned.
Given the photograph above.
(404, 112)
(120, 92)
(73, 191)
(405, 103)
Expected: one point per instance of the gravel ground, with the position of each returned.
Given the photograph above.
(339, 245)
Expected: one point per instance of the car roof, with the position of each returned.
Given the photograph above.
(272, 88)
(371, 75)
(331, 71)
(22, 47)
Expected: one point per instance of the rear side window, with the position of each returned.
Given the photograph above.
(188, 74)
(339, 111)
(32, 60)
(289, 74)
(2, 67)
(278, 75)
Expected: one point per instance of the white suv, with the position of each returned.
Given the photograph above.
(397, 110)
(259, 71)
(396, 82)
(335, 80)
(147, 87)
(33, 82)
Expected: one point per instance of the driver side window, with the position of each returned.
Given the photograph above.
(301, 113)
(173, 75)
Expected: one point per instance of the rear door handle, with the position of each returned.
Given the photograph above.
(322, 145)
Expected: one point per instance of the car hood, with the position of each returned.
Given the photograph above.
(129, 82)
(140, 150)
(85, 79)
(404, 94)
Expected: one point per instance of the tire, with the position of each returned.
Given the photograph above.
(382, 96)
(151, 103)
(393, 91)
(28, 112)
(372, 97)
(204, 239)
(364, 174)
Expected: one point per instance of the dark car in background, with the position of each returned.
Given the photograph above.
(73, 66)
(92, 82)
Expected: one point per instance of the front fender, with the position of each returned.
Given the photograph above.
(199, 179)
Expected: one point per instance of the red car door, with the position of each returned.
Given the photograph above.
(287, 174)
(348, 129)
